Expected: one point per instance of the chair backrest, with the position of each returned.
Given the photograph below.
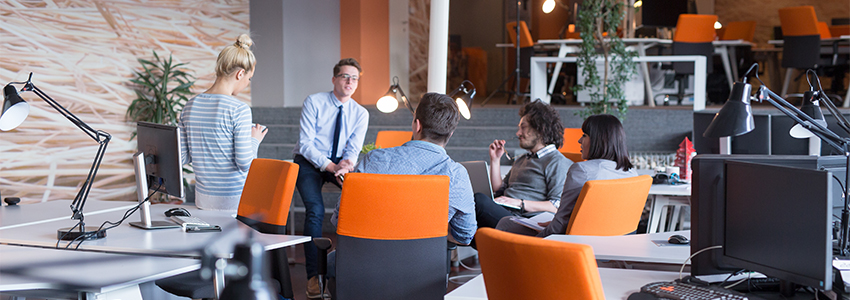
(389, 138)
(801, 35)
(392, 237)
(694, 34)
(739, 30)
(609, 207)
(823, 30)
(571, 148)
(523, 267)
(692, 28)
(267, 195)
(839, 30)
(798, 21)
(524, 35)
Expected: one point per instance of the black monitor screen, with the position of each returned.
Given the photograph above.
(161, 147)
(778, 222)
(662, 13)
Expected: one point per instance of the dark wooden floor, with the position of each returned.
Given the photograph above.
(299, 273)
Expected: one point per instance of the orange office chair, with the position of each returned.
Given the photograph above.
(802, 35)
(571, 148)
(392, 237)
(609, 207)
(264, 206)
(389, 138)
(739, 30)
(521, 267)
(694, 34)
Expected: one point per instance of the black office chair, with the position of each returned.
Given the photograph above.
(694, 34)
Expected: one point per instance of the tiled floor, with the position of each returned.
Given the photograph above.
(299, 274)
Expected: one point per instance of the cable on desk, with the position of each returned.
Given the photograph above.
(695, 254)
(83, 237)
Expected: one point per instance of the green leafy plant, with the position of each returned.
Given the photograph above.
(597, 22)
(368, 147)
(162, 88)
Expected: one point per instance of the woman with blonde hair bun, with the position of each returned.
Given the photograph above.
(218, 137)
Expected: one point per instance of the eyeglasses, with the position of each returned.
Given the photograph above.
(347, 77)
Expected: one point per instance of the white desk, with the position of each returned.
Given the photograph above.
(27, 214)
(82, 274)
(663, 197)
(538, 74)
(634, 247)
(616, 284)
(568, 46)
(132, 240)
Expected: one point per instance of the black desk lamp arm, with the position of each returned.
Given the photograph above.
(825, 134)
(99, 136)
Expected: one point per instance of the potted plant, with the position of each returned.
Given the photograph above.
(598, 21)
(162, 89)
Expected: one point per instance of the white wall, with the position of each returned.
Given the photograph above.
(297, 45)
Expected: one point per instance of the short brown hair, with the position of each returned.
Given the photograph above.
(347, 62)
(545, 120)
(438, 115)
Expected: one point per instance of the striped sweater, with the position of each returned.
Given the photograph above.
(216, 139)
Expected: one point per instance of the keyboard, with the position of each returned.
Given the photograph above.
(189, 221)
(676, 290)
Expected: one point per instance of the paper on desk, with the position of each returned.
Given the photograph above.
(532, 222)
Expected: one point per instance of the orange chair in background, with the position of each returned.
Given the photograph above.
(571, 148)
(609, 207)
(392, 237)
(520, 267)
(739, 30)
(694, 34)
(801, 35)
(389, 138)
(823, 30)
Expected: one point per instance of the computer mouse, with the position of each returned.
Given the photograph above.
(642, 296)
(677, 239)
(177, 211)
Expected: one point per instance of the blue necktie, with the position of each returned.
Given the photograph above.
(337, 128)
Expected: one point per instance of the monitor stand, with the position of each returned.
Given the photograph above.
(141, 193)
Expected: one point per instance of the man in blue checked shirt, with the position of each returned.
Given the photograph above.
(434, 122)
(333, 127)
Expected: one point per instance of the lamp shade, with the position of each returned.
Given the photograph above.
(388, 103)
(811, 107)
(15, 109)
(736, 116)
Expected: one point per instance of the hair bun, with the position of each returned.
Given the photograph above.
(243, 41)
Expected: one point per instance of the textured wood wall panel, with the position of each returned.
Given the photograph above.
(82, 54)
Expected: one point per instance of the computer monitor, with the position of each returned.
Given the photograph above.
(662, 13)
(158, 168)
(778, 223)
(708, 200)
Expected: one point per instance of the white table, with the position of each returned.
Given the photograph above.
(616, 284)
(27, 214)
(82, 274)
(633, 247)
(568, 46)
(538, 74)
(663, 197)
(131, 240)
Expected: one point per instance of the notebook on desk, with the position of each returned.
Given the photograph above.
(479, 176)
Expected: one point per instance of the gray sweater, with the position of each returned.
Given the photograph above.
(534, 178)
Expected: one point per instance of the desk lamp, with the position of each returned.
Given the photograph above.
(464, 101)
(389, 102)
(15, 110)
(735, 118)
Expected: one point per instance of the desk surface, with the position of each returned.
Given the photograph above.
(616, 284)
(669, 189)
(27, 268)
(132, 240)
(634, 247)
(27, 214)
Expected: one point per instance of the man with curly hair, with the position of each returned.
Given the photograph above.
(536, 179)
